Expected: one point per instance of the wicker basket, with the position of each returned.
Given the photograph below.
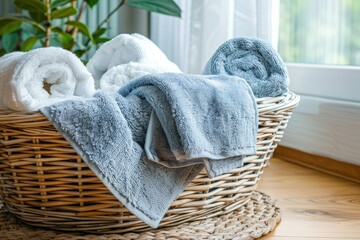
(45, 183)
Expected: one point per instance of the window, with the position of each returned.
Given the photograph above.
(320, 42)
(320, 32)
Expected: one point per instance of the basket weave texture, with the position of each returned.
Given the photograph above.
(253, 220)
(45, 183)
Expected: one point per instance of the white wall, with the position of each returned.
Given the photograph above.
(327, 124)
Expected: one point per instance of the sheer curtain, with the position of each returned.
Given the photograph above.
(191, 40)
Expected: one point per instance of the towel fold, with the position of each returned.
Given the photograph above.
(199, 117)
(254, 60)
(198, 120)
(41, 77)
(126, 57)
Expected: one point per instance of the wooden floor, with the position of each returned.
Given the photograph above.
(314, 205)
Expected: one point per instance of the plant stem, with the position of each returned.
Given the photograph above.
(48, 23)
(74, 31)
(82, 9)
(73, 4)
(78, 17)
(110, 14)
(122, 2)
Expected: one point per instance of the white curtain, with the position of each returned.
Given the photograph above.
(205, 25)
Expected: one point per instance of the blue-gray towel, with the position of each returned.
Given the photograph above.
(254, 60)
(196, 118)
(109, 131)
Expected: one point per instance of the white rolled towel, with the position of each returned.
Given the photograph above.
(41, 77)
(127, 56)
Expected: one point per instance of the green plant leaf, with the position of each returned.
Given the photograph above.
(92, 3)
(29, 44)
(31, 5)
(59, 3)
(9, 41)
(101, 40)
(37, 17)
(2, 52)
(28, 30)
(56, 29)
(9, 25)
(20, 19)
(66, 39)
(63, 13)
(81, 27)
(168, 7)
(54, 40)
(99, 32)
(80, 52)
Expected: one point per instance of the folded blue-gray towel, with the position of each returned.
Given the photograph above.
(196, 118)
(200, 119)
(254, 60)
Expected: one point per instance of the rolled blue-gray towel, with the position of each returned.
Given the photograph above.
(254, 60)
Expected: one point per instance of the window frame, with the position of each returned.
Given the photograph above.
(326, 81)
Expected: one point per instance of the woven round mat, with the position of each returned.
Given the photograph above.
(255, 219)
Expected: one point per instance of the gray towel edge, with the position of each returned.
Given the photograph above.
(152, 222)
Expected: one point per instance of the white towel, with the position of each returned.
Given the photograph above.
(41, 77)
(126, 57)
(118, 76)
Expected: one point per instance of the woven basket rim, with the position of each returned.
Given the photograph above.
(289, 98)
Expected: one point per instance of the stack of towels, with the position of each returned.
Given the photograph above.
(141, 125)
